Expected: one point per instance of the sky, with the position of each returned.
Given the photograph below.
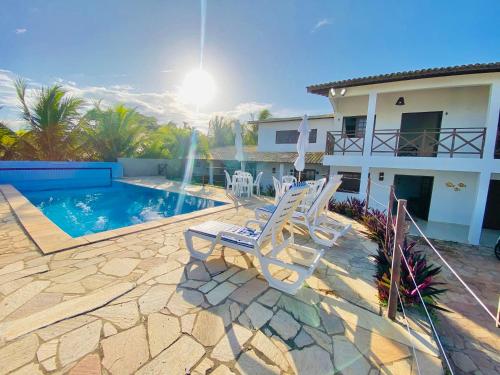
(260, 53)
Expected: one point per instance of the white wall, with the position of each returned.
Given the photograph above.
(447, 205)
(462, 107)
(140, 167)
(267, 135)
(340, 196)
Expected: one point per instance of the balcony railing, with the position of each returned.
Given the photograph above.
(430, 143)
(338, 143)
(445, 142)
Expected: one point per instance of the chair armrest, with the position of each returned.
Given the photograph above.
(260, 223)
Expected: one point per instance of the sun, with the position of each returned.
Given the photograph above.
(198, 87)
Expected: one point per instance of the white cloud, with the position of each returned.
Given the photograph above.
(120, 87)
(21, 31)
(321, 23)
(165, 106)
(166, 71)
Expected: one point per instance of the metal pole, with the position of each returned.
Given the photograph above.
(388, 225)
(367, 194)
(396, 260)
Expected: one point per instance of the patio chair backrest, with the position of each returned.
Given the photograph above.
(283, 213)
(258, 178)
(277, 190)
(288, 180)
(315, 188)
(228, 178)
(323, 198)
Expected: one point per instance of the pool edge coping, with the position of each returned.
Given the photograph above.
(49, 238)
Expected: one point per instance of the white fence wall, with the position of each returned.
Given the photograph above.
(140, 167)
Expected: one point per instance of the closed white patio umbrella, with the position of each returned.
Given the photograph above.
(238, 142)
(302, 144)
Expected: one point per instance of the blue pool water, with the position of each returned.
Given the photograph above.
(91, 210)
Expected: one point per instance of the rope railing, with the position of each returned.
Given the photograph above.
(407, 323)
(481, 303)
(434, 331)
(398, 257)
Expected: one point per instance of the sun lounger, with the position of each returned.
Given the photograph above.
(266, 243)
(323, 229)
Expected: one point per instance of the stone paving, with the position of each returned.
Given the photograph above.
(469, 335)
(140, 304)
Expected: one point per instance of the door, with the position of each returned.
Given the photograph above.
(492, 212)
(419, 134)
(417, 190)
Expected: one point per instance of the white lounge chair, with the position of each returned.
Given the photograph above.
(265, 243)
(256, 183)
(314, 217)
(315, 187)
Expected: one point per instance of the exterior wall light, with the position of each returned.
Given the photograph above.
(400, 101)
(342, 92)
(332, 92)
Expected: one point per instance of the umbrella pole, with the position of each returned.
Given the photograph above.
(299, 175)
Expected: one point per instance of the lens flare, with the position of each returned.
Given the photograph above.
(198, 88)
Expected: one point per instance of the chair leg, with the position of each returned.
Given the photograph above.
(332, 240)
(290, 288)
(188, 237)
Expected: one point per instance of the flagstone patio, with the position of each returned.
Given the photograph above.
(138, 303)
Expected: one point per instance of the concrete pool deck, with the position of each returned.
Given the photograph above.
(138, 303)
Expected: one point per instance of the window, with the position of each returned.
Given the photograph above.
(306, 175)
(350, 182)
(286, 136)
(291, 136)
(312, 135)
(354, 126)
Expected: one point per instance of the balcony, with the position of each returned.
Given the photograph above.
(445, 142)
(337, 143)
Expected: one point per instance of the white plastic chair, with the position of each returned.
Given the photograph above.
(315, 217)
(229, 182)
(256, 183)
(288, 180)
(254, 242)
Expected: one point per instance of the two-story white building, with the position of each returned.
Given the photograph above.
(432, 134)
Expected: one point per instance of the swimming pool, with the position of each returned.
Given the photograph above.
(85, 211)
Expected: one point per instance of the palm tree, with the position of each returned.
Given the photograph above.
(52, 122)
(220, 131)
(113, 132)
(252, 130)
